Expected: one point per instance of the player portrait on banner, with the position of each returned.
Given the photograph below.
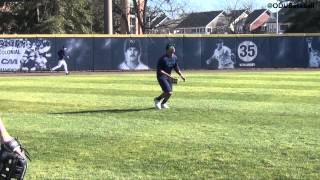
(314, 54)
(132, 50)
(222, 56)
(24, 54)
(35, 55)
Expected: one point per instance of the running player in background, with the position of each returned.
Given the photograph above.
(62, 61)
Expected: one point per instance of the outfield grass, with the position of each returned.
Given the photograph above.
(221, 125)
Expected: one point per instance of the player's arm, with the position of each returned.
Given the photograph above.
(211, 58)
(177, 69)
(310, 47)
(309, 42)
(166, 74)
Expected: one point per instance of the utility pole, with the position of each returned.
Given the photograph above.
(108, 25)
(277, 21)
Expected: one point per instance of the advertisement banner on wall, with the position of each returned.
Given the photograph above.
(253, 52)
(129, 54)
(142, 53)
(288, 52)
(192, 53)
(24, 54)
(218, 53)
(313, 49)
(102, 53)
(79, 53)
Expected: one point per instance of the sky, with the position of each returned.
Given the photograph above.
(211, 5)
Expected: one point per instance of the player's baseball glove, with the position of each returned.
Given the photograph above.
(13, 165)
(174, 80)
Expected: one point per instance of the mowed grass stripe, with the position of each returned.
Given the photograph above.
(251, 96)
(185, 87)
(81, 102)
(151, 82)
(119, 78)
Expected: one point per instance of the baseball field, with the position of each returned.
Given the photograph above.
(220, 125)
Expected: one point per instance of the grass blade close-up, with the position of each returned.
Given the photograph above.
(220, 125)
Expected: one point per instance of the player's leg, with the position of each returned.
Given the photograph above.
(57, 66)
(166, 87)
(65, 66)
(163, 85)
(167, 94)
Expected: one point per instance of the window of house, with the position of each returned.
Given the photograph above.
(132, 21)
(131, 3)
(117, 21)
(209, 30)
(132, 30)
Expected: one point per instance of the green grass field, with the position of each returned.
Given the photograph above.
(221, 125)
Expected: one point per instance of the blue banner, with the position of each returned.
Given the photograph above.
(142, 53)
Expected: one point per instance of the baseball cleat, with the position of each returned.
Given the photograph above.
(164, 106)
(157, 103)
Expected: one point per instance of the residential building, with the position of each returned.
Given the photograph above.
(154, 24)
(271, 25)
(212, 22)
(255, 21)
(234, 17)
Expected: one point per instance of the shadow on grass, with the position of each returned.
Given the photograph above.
(106, 111)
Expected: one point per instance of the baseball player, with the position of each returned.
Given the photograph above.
(165, 65)
(314, 55)
(132, 53)
(223, 55)
(62, 61)
(13, 157)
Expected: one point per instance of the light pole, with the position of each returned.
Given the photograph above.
(108, 25)
(277, 21)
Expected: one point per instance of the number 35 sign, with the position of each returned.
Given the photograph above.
(247, 51)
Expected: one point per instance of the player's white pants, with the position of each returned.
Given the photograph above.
(63, 63)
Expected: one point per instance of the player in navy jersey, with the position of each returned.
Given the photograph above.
(165, 65)
(62, 61)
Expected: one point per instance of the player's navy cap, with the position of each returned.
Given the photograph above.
(169, 45)
(132, 43)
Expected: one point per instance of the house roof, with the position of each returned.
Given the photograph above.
(254, 15)
(199, 19)
(236, 13)
(156, 21)
(172, 23)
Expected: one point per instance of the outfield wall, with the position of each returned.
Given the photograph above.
(103, 52)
